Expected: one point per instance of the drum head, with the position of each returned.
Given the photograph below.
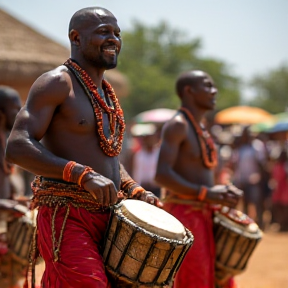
(238, 222)
(153, 219)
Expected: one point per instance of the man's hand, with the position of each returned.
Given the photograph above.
(227, 195)
(101, 188)
(150, 198)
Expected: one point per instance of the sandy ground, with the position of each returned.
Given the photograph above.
(268, 265)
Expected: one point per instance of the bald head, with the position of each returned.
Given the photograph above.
(10, 104)
(190, 78)
(7, 94)
(82, 18)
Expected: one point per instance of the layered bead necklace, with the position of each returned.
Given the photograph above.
(112, 144)
(208, 149)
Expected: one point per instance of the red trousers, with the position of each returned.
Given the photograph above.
(197, 269)
(80, 264)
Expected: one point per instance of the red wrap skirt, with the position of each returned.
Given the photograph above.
(197, 269)
(80, 263)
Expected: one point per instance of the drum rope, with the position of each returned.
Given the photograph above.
(55, 245)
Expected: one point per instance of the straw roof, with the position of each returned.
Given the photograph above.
(25, 54)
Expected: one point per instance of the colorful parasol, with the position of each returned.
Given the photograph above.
(244, 115)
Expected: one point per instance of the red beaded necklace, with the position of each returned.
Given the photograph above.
(206, 142)
(112, 145)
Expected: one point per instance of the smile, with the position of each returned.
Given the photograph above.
(111, 50)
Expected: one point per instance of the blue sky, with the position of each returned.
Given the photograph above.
(250, 35)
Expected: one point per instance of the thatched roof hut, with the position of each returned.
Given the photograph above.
(25, 54)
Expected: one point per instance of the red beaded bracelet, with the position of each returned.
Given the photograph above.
(202, 193)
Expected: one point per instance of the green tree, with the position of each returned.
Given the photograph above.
(271, 90)
(152, 58)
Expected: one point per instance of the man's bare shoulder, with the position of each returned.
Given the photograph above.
(176, 124)
(176, 127)
(54, 84)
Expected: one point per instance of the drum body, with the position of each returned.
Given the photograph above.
(20, 236)
(12, 269)
(236, 236)
(137, 257)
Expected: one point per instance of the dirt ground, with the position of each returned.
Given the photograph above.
(268, 265)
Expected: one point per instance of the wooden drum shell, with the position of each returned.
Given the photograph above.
(234, 247)
(135, 257)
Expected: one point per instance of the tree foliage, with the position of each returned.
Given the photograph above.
(153, 57)
(271, 90)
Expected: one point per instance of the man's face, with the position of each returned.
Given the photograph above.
(205, 92)
(100, 42)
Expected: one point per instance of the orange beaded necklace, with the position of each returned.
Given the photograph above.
(208, 149)
(111, 145)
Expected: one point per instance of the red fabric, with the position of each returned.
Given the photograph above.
(280, 192)
(80, 264)
(197, 269)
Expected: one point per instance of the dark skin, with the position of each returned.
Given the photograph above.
(10, 105)
(180, 167)
(57, 123)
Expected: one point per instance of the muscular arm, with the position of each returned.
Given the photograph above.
(24, 147)
(173, 135)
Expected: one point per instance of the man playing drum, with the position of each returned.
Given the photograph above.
(186, 169)
(10, 105)
(70, 131)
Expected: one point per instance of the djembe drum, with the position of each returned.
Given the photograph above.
(236, 236)
(144, 245)
(20, 235)
(11, 270)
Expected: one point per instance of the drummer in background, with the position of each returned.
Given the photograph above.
(10, 105)
(69, 133)
(185, 169)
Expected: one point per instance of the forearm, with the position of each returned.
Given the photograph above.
(35, 158)
(173, 182)
(129, 187)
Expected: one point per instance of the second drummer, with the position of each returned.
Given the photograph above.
(186, 169)
(70, 132)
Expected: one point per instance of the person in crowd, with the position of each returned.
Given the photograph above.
(279, 177)
(248, 161)
(69, 133)
(186, 165)
(10, 104)
(144, 159)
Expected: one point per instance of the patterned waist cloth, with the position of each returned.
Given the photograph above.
(54, 192)
(185, 200)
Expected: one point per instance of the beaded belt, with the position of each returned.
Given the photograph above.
(54, 192)
(197, 205)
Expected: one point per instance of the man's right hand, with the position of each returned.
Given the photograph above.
(101, 188)
(226, 195)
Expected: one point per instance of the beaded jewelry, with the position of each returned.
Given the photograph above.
(208, 150)
(112, 145)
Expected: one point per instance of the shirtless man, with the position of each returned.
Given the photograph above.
(10, 105)
(186, 169)
(70, 132)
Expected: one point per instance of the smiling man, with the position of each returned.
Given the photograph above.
(70, 133)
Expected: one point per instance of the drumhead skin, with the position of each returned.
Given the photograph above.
(238, 222)
(153, 219)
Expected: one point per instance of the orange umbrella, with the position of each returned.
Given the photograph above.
(245, 115)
